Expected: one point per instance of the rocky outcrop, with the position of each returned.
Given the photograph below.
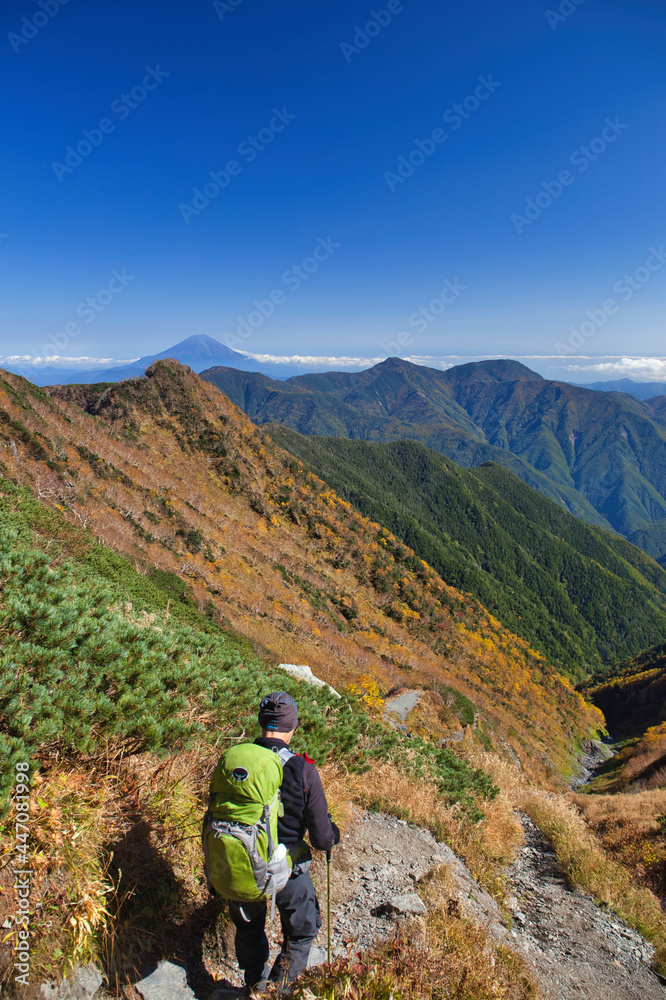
(303, 673)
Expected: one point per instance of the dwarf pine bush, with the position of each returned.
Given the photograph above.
(80, 670)
(71, 665)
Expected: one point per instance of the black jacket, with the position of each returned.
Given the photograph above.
(304, 801)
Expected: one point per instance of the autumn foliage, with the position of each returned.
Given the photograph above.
(167, 470)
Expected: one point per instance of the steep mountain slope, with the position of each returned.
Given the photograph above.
(170, 472)
(602, 455)
(116, 697)
(581, 595)
(95, 654)
(652, 540)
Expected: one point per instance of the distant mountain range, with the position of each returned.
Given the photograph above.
(601, 455)
(196, 352)
(641, 390)
(200, 352)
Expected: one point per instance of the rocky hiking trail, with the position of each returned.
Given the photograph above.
(578, 951)
(575, 950)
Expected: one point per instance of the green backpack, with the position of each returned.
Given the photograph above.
(239, 836)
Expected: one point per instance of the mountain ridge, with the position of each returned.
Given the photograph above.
(641, 390)
(601, 455)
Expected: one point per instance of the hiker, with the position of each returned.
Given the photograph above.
(305, 809)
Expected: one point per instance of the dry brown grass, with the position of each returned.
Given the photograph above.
(155, 860)
(70, 890)
(486, 847)
(618, 816)
(117, 863)
(586, 863)
(612, 878)
(632, 827)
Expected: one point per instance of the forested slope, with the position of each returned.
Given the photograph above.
(584, 596)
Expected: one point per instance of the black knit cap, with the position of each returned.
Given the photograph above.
(278, 711)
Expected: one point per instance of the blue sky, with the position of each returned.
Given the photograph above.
(560, 118)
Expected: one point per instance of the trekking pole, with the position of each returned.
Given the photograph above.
(328, 903)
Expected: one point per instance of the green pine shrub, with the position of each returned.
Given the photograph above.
(93, 654)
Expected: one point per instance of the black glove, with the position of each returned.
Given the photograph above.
(336, 832)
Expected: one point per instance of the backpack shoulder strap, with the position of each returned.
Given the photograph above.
(285, 754)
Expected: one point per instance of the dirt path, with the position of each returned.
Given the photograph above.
(397, 709)
(576, 950)
(374, 880)
(579, 951)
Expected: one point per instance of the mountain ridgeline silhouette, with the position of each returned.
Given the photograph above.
(600, 455)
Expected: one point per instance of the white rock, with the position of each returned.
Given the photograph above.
(81, 984)
(410, 903)
(303, 673)
(317, 957)
(167, 982)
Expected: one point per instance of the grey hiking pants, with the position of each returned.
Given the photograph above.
(300, 918)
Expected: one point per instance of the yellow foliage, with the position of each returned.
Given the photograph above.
(367, 691)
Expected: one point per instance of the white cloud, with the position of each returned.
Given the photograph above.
(57, 359)
(639, 369)
(311, 360)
